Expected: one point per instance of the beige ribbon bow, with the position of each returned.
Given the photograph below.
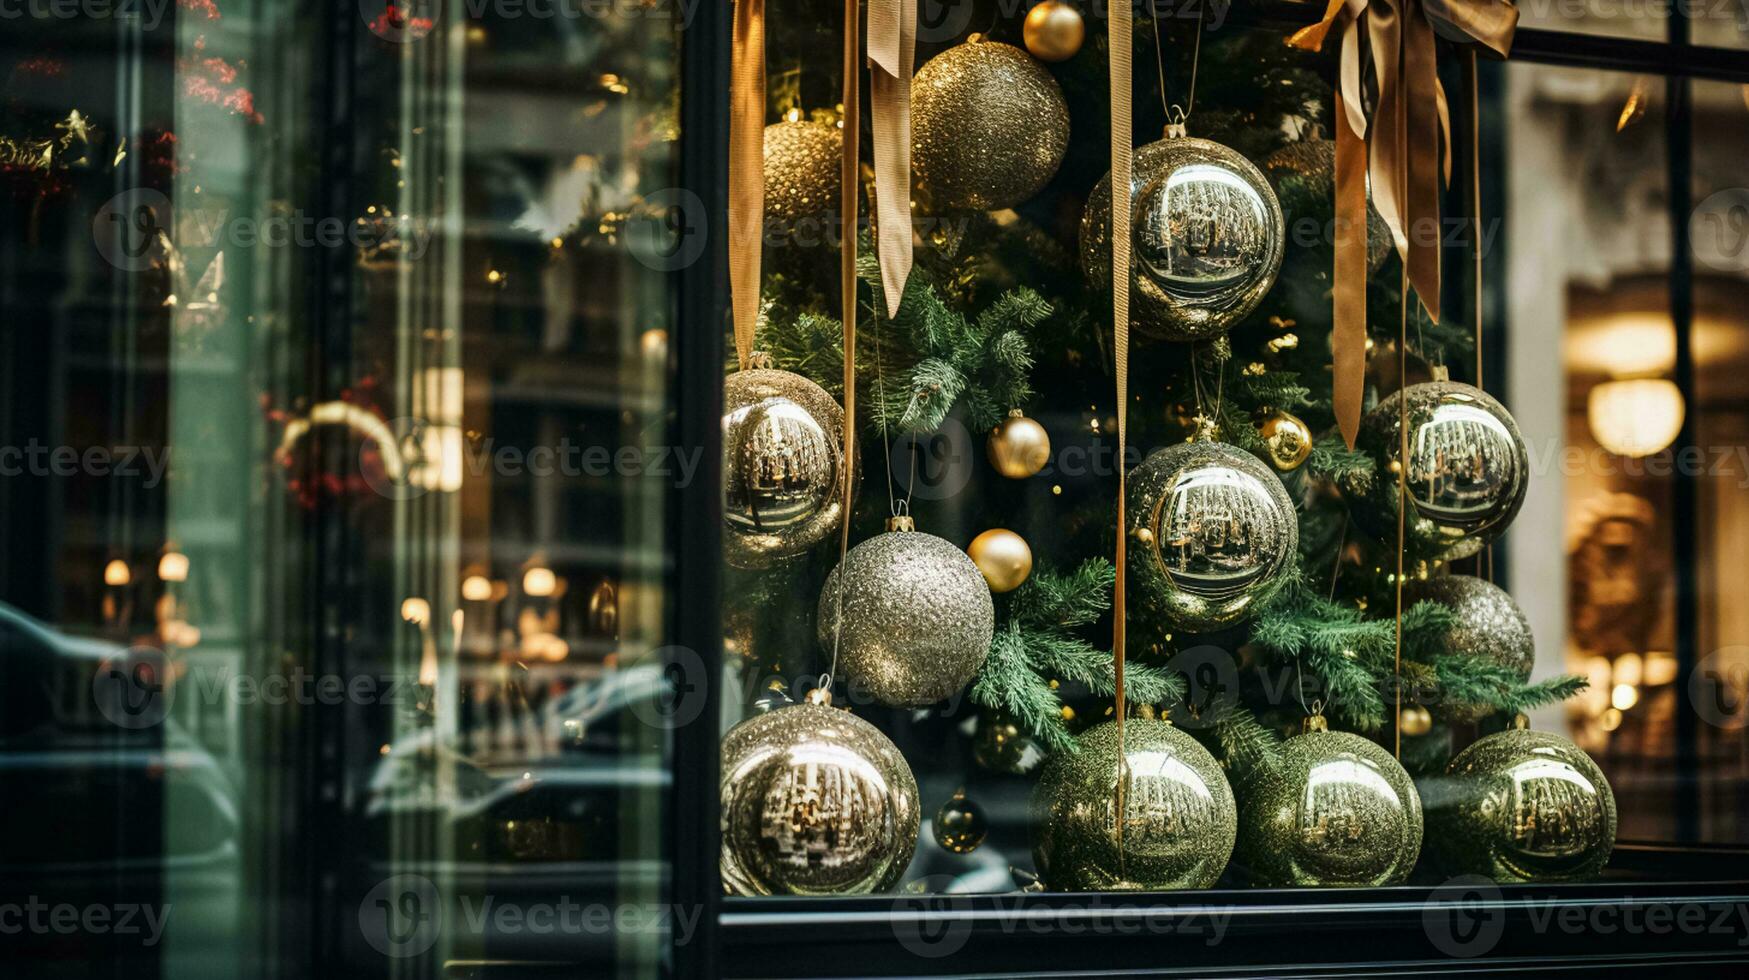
(892, 52)
(1399, 148)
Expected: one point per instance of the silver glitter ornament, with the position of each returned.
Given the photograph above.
(1207, 238)
(815, 801)
(918, 617)
(1179, 818)
(1314, 162)
(1214, 533)
(1332, 808)
(1468, 469)
(802, 169)
(989, 127)
(1488, 625)
(1522, 805)
(783, 466)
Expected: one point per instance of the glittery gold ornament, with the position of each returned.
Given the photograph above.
(1521, 805)
(1003, 557)
(1018, 446)
(1332, 808)
(988, 127)
(1053, 31)
(1314, 162)
(1001, 745)
(802, 169)
(1486, 624)
(815, 801)
(1468, 469)
(1208, 238)
(1179, 820)
(918, 617)
(783, 466)
(960, 825)
(1414, 721)
(1288, 440)
(1214, 533)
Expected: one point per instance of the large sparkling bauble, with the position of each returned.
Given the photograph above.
(1003, 557)
(1488, 624)
(1213, 531)
(1053, 31)
(802, 169)
(918, 618)
(1333, 809)
(960, 825)
(1468, 469)
(1179, 818)
(1207, 238)
(1314, 162)
(988, 127)
(815, 801)
(783, 466)
(1522, 805)
(1018, 446)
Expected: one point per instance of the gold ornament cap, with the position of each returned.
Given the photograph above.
(1314, 723)
(901, 522)
(820, 696)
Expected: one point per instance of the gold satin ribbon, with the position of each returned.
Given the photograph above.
(892, 52)
(1118, 38)
(1406, 147)
(847, 250)
(746, 170)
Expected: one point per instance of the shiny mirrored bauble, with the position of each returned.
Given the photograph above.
(1207, 238)
(1467, 472)
(1212, 531)
(1333, 808)
(960, 825)
(1179, 819)
(783, 466)
(815, 801)
(1522, 805)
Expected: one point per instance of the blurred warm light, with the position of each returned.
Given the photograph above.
(116, 573)
(1636, 416)
(476, 588)
(173, 567)
(1625, 344)
(654, 344)
(539, 582)
(1627, 669)
(1597, 674)
(1610, 721)
(416, 610)
(1624, 696)
(1660, 669)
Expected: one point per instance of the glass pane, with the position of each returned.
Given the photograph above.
(1721, 25)
(335, 547)
(1612, 18)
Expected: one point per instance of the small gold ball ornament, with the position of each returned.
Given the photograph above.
(815, 801)
(783, 466)
(1054, 31)
(960, 825)
(1287, 438)
(1179, 820)
(802, 169)
(1018, 446)
(1003, 557)
(989, 127)
(1414, 721)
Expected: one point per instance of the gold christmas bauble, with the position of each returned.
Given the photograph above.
(1521, 805)
(1018, 446)
(803, 177)
(960, 825)
(1288, 440)
(1179, 821)
(1003, 557)
(1314, 162)
(1331, 808)
(989, 127)
(1414, 721)
(1054, 31)
(917, 617)
(1486, 625)
(815, 801)
(783, 466)
(1468, 470)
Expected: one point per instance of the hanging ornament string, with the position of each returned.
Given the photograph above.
(746, 171)
(1178, 116)
(1118, 36)
(847, 299)
(1402, 494)
(892, 52)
